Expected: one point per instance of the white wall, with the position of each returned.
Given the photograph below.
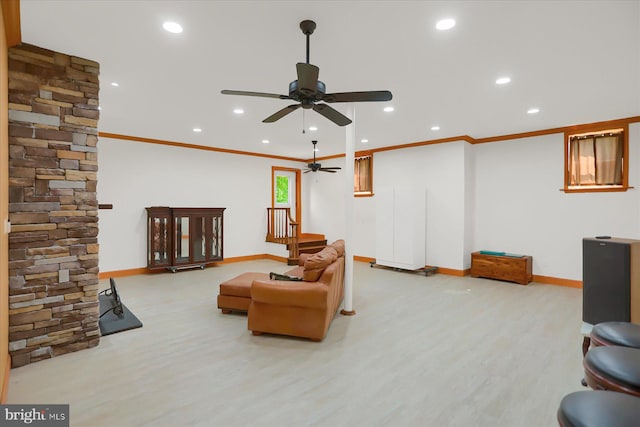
(437, 168)
(502, 196)
(324, 205)
(135, 175)
(440, 170)
(324, 209)
(520, 208)
(470, 205)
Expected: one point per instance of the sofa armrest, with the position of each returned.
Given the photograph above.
(296, 294)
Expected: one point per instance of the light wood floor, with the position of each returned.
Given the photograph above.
(421, 351)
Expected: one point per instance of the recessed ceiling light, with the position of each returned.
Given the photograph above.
(364, 140)
(503, 80)
(265, 141)
(313, 128)
(114, 84)
(445, 24)
(197, 129)
(238, 111)
(435, 127)
(388, 109)
(533, 111)
(172, 27)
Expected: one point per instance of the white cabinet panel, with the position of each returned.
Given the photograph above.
(400, 227)
(384, 224)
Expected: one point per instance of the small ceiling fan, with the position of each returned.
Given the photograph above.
(309, 91)
(315, 167)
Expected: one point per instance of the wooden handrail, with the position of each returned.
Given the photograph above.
(279, 223)
(293, 246)
(282, 228)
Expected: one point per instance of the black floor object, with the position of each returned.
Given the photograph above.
(110, 322)
(427, 271)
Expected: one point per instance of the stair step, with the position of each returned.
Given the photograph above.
(310, 237)
(311, 246)
(310, 249)
(308, 243)
(312, 243)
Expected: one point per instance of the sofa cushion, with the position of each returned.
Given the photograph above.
(296, 272)
(315, 264)
(338, 245)
(240, 286)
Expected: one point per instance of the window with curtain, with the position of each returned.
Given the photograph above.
(596, 161)
(362, 176)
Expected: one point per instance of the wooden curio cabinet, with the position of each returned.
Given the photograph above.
(183, 237)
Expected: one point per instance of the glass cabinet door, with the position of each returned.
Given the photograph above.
(199, 238)
(215, 243)
(182, 233)
(159, 241)
(206, 238)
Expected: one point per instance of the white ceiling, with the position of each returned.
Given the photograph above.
(578, 61)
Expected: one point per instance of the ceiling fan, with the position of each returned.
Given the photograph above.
(308, 91)
(315, 167)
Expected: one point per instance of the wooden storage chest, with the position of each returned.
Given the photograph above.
(502, 267)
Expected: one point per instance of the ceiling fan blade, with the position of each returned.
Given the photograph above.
(371, 96)
(308, 170)
(307, 78)
(334, 115)
(327, 170)
(261, 94)
(332, 168)
(280, 114)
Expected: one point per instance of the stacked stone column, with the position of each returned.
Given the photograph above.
(53, 208)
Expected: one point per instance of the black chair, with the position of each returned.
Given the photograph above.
(623, 334)
(599, 409)
(613, 368)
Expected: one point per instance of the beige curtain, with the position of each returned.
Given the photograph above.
(596, 160)
(362, 174)
(583, 165)
(609, 160)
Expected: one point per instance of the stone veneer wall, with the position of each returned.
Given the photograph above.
(53, 208)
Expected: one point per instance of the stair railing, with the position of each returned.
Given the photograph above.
(293, 246)
(282, 228)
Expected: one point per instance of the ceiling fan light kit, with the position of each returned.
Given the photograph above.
(310, 93)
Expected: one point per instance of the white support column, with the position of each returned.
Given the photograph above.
(349, 211)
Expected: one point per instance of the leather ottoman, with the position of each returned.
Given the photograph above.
(235, 294)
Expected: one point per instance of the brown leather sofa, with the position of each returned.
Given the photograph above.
(301, 308)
